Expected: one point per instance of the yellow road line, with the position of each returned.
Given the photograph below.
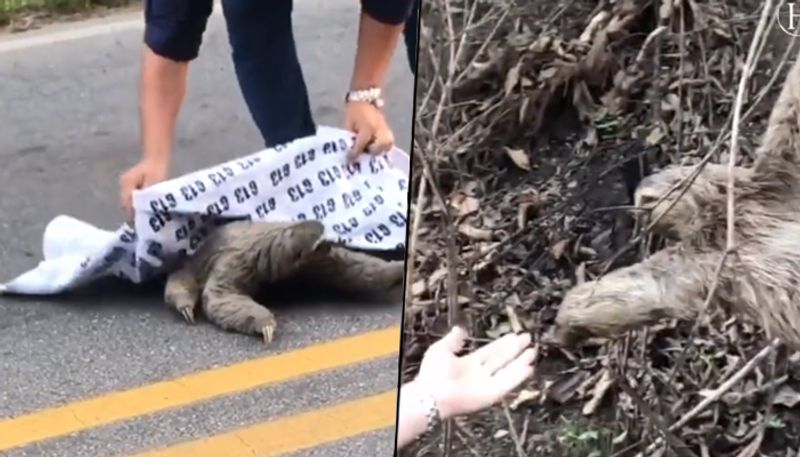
(193, 388)
(294, 433)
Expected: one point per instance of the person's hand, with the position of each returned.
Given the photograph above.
(373, 134)
(464, 385)
(143, 174)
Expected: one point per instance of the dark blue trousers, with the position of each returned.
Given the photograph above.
(269, 73)
(410, 34)
(264, 53)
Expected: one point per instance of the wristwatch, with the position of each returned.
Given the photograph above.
(371, 95)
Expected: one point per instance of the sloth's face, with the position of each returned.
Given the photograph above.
(595, 309)
(622, 300)
(678, 212)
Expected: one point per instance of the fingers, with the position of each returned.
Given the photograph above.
(382, 142)
(363, 137)
(128, 183)
(501, 351)
(452, 342)
(512, 375)
(373, 134)
(124, 191)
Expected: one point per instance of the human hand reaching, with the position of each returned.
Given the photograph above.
(144, 174)
(373, 134)
(467, 384)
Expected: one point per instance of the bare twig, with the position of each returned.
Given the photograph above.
(414, 236)
(717, 393)
(747, 71)
(459, 139)
(513, 431)
(679, 446)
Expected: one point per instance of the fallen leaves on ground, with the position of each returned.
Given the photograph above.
(547, 119)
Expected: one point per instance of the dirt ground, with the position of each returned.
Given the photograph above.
(536, 124)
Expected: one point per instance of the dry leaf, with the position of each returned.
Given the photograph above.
(519, 157)
(475, 233)
(591, 137)
(787, 396)
(464, 204)
(671, 102)
(526, 83)
(558, 249)
(499, 330)
(540, 45)
(436, 277)
(522, 215)
(751, 450)
(547, 73)
(500, 434)
(566, 388)
(666, 9)
(513, 319)
(486, 248)
(580, 273)
(593, 26)
(419, 288)
(512, 78)
(654, 137)
(529, 201)
(598, 393)
(525, 395)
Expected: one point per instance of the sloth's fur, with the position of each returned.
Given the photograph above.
(759, 281)
(240, 257)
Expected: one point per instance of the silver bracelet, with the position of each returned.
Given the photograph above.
(431, 412)
(372, 95)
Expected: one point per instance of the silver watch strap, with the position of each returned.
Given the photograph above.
(372, 95)
(431, 412)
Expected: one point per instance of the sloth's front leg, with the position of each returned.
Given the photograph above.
(231, 308)
(355, 272)
(182, 292)
(672, 283)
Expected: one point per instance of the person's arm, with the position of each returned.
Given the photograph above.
(163, 88)
(412, 420)
(173, 35)
(377, 41)
(448, 385)
(379, 32)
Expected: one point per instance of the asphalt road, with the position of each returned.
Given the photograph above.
(68, 127)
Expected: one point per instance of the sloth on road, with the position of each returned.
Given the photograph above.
(760, 281)
(239, 257)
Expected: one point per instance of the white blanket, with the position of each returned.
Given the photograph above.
(362, 206)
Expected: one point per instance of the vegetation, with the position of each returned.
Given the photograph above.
(534, 123)
(9, 9)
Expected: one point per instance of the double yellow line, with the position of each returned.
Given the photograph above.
(289, 434)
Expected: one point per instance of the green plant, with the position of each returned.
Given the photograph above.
(11, 8)
(8, 7)
(585, 441)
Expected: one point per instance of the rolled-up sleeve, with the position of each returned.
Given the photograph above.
(392, 12)
(174, 28)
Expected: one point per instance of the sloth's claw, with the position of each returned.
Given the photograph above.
(268, 332)
(188, 315)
